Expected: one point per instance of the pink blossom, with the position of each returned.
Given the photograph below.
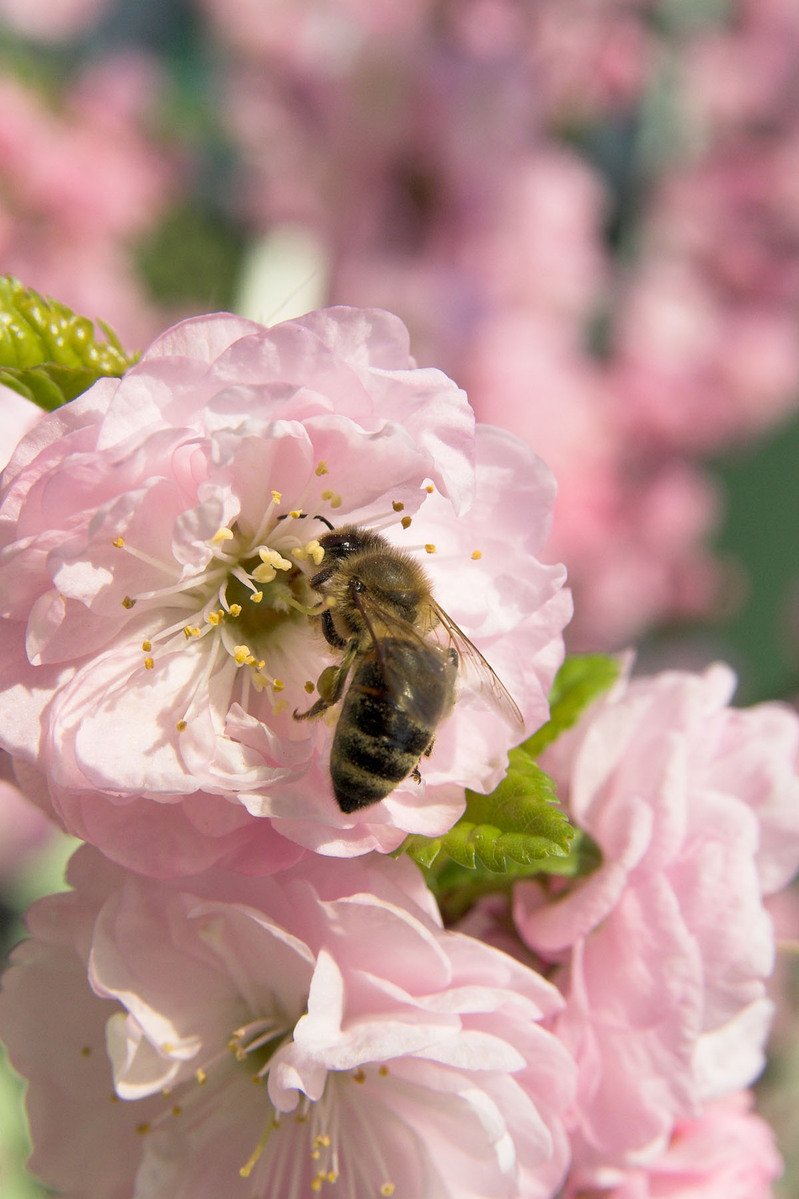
(52, 21)
(77, 186)
(392, 1056)
(17, 417)
(727, 1152)
(146, 522)
(666, 946)
(23, 827)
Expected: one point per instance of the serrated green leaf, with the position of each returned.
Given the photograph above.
(581, 679)
(519, 822)
(47, 352)
(457, 887)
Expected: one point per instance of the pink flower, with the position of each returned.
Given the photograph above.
(160, 533)
(727, 1152)
(392, 1056)
(17, 417)
(23, 827)
(666, 946)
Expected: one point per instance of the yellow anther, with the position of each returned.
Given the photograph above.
(147, 646)
(429, 488)
(359, 1076)
(278, 685)
(243, 655)
(148, 663)
(181, 725)
(277, 496)
(271, 563)
(406, 522)
(118, 543)
(333, 498)
(191, 630)
(322, 1140)
(382, 1071)
(430, 548)
(200, 1075)
(127, 602)
(215, 618)
(321, 469)
(235, 609)
(477, 555)
(309, 687)
(296, 513)
(316, 1183)
(397, 505)
(256, 597)
(177, 1110)
(315, 551)
(387, 1190)
(223, 534)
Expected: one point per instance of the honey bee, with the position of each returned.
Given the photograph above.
(401, 653)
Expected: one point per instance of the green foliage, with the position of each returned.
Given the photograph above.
(580, 680)
(520, 829)
(518, 823)
(49, 354)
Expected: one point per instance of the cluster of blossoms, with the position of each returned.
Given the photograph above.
(585, 212)
(244, 992)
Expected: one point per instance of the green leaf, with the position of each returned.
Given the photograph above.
(457, 887)
(581, 679)
(517, 824)
(49, 354)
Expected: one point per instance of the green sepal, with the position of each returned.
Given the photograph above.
(518, 823)
(49, 354)
(581, 679)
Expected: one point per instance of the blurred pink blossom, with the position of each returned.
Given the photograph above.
(727, 1152)
(79, 184)
(154, 655)
(392, 1056)
(54, 21)
(666, 946)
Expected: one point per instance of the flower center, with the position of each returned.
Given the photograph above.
(254, 587)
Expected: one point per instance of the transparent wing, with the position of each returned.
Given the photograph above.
(415, 667)
(444, 637)
(477, 670)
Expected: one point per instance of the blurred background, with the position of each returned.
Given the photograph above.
(586, 211)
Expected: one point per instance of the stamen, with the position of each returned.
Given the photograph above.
(222, 535)
(406, 522)
(149, 664)
(397, 505)
(429, 548)
(128, 603)
(321, 469)
(248, 1167)
(333, 498)
(171, 570)
(476, 555)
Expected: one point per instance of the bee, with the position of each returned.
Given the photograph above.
(400, 657)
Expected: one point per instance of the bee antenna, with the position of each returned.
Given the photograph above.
(325, 521)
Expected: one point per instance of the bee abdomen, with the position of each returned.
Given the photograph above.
(377, 741)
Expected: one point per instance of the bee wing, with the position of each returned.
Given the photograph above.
(477, 670)
(386, 630)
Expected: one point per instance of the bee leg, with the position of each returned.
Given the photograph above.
(415, 775)
(330, 685)
(329, 630)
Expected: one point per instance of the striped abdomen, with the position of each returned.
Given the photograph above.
(394, 702)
